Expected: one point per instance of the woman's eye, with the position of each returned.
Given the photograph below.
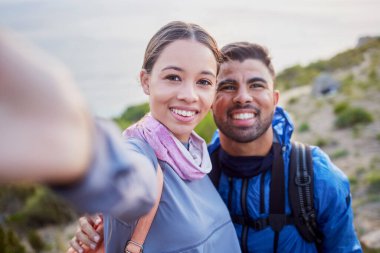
(204, 82)
(173, 78)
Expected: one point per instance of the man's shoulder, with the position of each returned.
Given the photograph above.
(323, 165)
(327, 176)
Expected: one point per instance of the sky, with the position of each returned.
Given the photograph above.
(103, 42)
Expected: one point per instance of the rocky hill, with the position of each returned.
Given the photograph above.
(336, 105)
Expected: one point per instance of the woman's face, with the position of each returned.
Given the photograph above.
(181, 86)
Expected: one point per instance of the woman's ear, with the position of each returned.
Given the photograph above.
(144, 80)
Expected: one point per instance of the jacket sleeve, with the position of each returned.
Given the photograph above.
(120, 180)
(333, 205)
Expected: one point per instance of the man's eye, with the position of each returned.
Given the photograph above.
(226, 87)
(173, 78)
(204, 82)
(257, 85)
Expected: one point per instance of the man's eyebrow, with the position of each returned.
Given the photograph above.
(227, 81)
(256, 79)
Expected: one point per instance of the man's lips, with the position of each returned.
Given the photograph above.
(243, 115)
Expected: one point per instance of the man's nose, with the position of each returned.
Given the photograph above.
(242, 96)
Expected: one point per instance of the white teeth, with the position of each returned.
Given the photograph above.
(243, 116)
(183, 112)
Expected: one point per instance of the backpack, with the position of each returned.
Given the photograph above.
(301, 192)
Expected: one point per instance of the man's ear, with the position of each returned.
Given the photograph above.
(144, 80)
(276, 97)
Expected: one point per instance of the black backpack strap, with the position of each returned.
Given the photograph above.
(258, 224)
(301, 193)
(216, 169)
(277, 216)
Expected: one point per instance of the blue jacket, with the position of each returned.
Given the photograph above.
(332, 201)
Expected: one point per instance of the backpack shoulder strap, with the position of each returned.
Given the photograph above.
(301, 192)
(135, 244)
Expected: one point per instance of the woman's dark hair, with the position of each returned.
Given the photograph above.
(177, 30)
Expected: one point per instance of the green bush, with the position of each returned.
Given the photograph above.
(131, 115)
(36, 241)
(135, 112)
(9, 242)
(372, 75)
(42, 208)
(339, 154)
(293, 100)
(353, 116)
(13, 197)
(340, 107)
(304, 127)
(353, 180)
(122, 123)
(2, 238)
(373, 179)
(321, 142)
(378, 136)
(206, 127)
(348, 86)
(295, 76)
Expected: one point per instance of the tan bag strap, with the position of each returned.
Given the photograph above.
(135, 244)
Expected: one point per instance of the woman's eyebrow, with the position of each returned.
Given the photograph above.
(172, 67)
(206, 72)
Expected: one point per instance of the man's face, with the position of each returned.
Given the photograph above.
(245, 100)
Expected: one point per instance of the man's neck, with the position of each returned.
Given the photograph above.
(258, 147)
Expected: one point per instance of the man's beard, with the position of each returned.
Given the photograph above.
(245, 134)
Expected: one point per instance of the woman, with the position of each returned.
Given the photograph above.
(179, 75)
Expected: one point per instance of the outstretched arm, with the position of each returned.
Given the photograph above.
(47, 135)
(45, 127)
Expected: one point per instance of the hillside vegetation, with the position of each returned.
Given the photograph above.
(346, 61)
(345, 124)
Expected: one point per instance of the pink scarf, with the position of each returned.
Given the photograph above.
(188, 164)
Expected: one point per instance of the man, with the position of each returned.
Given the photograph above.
(251, 129)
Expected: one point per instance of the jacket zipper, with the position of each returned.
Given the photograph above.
(244, 236)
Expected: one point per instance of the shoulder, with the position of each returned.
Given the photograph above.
(332, 188)
(325, 170)
(142, 147)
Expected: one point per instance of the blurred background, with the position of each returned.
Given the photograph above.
(326, 53)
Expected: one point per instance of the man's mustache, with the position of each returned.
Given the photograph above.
(247, 106)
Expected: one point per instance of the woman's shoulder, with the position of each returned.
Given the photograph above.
(141, 146)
